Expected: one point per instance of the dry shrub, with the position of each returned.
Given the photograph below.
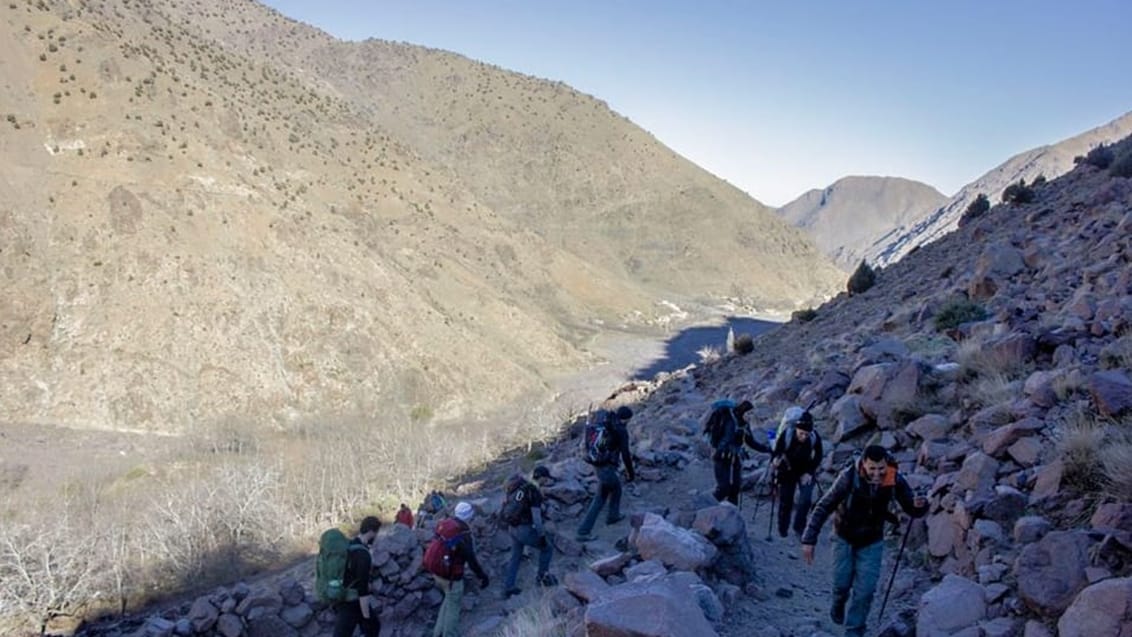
(1079, 447)
(992, 389)
(976, 359)
(1116, 457)
(1117, 354)
(708, 354)
(535, 620)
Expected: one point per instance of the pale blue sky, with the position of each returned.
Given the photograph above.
(781, 97)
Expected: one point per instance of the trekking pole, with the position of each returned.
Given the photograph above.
(758, 488)
(895, 566)
(773, 497)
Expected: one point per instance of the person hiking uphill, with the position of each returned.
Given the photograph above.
(352, 613)
(859, 500)
(445, 557)
(728, 432)
(522, 512)
(796, 458)
(605, 446)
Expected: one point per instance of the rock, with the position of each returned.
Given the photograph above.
(997, 441)
(943, 533)
(585, 585)
(954, 604)
(1111, 392)
(568, 491)
(1001, 627)
(977, 473)
(846, 411)
(1026, 452)
(725, 528)
(1036, 629)
(1048, 481)
(930, 427)
(673, 546)
(203, 615)
(270, 626)
(158, 627)
(229, 625)
(660, 608)
(1051, 571)
(297, 616)
(607, 566)
(709, 603)
(1101, 610)
(646, 569)
(259, 603)
(1113, 516)
(1005, 506)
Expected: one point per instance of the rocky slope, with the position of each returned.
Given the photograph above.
(213, 213)
(1014, 415)
(1048, 161)
(848, 217)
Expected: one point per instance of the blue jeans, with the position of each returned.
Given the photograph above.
(787, 486)
(609, 488)
(855, 574)
(523, 536)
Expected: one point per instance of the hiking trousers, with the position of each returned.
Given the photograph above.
(855, 574)
(348, 616)
(448, 621)
(788, 486)
(609, 488)
(728, 478)
(523, 536)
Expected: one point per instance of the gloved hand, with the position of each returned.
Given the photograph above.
(485, 581)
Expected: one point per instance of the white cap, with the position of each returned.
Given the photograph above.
(465, 512)
(792, 415)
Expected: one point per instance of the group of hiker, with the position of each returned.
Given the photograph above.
(859, 501)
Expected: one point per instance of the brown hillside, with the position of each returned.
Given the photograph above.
(208, 215)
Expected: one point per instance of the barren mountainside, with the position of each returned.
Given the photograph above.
(853, 213)
(211, 211)
(1049, 161)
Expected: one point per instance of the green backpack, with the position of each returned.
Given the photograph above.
(330, 569)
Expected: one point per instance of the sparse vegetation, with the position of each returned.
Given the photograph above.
(1100, 157)
(975, 209)
(1079, 449)
(959, 311)
(708, 354)
(744, 344)
(1122, 165)
(863, 278)
(1018, 193)
(804, 316)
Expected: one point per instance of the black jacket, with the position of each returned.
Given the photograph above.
(619, 444)
(861, 508)
(729, 433)
(358, 564)
(799, 458)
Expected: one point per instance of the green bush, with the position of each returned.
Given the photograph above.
(957, 312)
(804, 316)
(744, 344)
(1101, 157)
(975, 209)
(1122, 166)
(863, 278)
(1018, 193)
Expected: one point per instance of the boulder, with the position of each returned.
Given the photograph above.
(977, 473)
(1051, 571)
(673, 546)
(952, 605)
(1101, 610)
(930, 427)
(1113, 516)
(585, 585)
(1111, 392)
(1031, 528)
(658, 608)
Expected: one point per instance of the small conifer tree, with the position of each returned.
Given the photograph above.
(862, 279)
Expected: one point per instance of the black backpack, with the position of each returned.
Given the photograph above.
(517, 504)
(721, 422)
(598, 447)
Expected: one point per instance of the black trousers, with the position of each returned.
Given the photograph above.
(349, 617)
(787, 486)
(728, 478)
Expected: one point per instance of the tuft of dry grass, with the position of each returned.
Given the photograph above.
(1081, 440)
(1117, 354)
(535, 620)
(1116, 458)
(992, 388)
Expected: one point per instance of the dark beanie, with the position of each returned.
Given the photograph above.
(805, 422)
(744, 407)
(624, 413)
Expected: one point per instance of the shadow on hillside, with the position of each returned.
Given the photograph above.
(681, 350)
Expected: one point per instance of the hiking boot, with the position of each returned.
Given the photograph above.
(547, 580)
(511, 592)
(837, 611)
(615, 520)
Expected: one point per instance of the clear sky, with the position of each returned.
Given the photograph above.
(781, 97)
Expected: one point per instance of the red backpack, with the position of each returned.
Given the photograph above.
(440, 557)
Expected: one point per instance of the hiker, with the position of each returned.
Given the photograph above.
(404, 516)
(614, 448)
(445, 558)
(860, 497)
(796, 458)
(350, 614)
(728, 433)
(522, 512)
